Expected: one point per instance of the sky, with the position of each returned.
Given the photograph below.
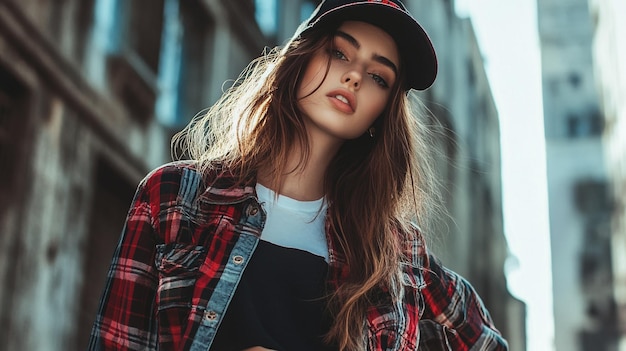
(508, 38)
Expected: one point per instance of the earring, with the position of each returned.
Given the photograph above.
(372, 132)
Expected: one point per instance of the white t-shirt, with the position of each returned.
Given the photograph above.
(293, 223)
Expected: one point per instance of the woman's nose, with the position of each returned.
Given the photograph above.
(352, 78)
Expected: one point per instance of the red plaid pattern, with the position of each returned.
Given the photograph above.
(175, 260)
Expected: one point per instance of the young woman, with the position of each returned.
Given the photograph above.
(291, 226)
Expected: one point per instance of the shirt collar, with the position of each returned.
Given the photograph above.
(222, 188)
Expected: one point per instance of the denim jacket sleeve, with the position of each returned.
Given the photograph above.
(454, 316)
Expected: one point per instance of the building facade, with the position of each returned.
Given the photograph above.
(471, 240)
(578, 187)
(91, 92)
(609, 49)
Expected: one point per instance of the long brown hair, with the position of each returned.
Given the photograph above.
(374, 185)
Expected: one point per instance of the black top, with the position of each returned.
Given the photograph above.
(279, 303)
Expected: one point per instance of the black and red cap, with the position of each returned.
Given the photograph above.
(416, 50)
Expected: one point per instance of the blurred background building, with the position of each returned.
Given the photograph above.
(91, 92)
(585, 153)
(609, 49)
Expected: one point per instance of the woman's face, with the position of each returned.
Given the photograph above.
(364, 62)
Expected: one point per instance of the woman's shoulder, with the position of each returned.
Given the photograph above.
(177, 172)
(186, 180)
(176, 166)
(170, 173)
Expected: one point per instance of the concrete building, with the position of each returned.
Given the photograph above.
(610, 69)
(578, 187)
(91, 92)
(471, 241)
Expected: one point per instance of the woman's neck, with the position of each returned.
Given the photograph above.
(305, 183)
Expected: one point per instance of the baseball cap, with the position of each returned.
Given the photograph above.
(416, 49)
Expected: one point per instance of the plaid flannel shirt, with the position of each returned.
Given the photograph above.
(184, 248)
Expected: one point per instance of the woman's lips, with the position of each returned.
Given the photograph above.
(342, 100)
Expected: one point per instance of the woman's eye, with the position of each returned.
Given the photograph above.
(338, 54)
(379, 80)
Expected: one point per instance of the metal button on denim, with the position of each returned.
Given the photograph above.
(210, 315)
(238, 259)
(253, 210)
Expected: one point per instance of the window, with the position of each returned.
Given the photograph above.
(585, 124)
(135, 51)
(145, 24)
(574, 128)
(574, 79)
(591, 196)
(195, 62)
(186, 62)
